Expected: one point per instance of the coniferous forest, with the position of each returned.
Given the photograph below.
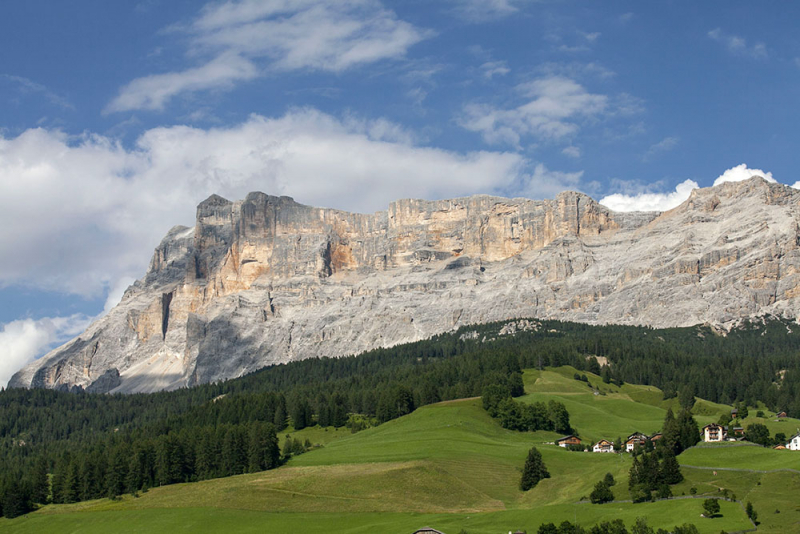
(70, 446)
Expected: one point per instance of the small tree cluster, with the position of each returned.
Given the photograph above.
(520, 416)
(653, 471)
(616, 526)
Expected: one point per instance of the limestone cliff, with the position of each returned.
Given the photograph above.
(267, 280)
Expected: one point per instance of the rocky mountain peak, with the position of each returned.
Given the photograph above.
(266, 279)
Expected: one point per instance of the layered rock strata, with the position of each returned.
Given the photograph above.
(267, 280)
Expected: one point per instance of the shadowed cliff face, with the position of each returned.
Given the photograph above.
(267, 280)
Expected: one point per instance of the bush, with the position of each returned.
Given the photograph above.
(534, 470)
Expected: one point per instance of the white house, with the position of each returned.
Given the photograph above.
(794, 443)
(637, 438)
(714, 432)
(603, 446)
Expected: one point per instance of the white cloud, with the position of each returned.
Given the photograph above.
(23, 340)
(650, 201)
(27, 85)
(78, 215)
(494, 68)
(249, 38)
(556, 104)
(742, 172)
(153, 92)
(665, 145)
(572, 151)
(647, 201)
(485, 10)
(738, 45)
(543, 180)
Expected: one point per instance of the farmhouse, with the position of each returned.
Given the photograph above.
(637, 438)
(734, 413)
(603, 446)
(713, 432)
(781, 415)
(794, 443)
(780, 447)
(657, 436)
(566, 441)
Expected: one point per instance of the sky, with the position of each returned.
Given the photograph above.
(118, 118)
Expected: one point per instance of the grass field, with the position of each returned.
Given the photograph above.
(452, 467)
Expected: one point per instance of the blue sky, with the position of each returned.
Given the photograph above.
(117, 118)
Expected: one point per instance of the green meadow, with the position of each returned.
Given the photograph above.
(452, 467)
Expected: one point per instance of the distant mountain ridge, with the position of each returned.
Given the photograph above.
(267, 280)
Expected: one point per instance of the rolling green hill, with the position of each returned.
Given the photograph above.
(450, 466)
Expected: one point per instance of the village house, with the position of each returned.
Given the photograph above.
(734, 413)
(603, 446)
(655, 437)
(637, 438)
(780, 447)
(734, 433)
(566, 441)
(713, 432)
(781, 415)
(794, 443)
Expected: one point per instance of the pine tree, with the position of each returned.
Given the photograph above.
(671, 469)
(40, 487)
(534, 470)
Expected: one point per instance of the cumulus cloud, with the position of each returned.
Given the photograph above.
(556, 105)
(248, 38)
(742, 172)
(23, 340)
(738, 45)
(572, 151)
(79, 214)
(650, 201)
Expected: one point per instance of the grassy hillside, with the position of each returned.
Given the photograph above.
(447, 465)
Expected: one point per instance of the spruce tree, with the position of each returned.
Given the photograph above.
(601, 493)
(671, 469)
(534, 470)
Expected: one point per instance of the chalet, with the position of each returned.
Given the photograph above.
(713, 432)
(657, 436)
(734, 413)
(794, 443)
(780, 447)
(637, 438)
(603, 446)
(781, 415)
(566, 441)
(734, 433)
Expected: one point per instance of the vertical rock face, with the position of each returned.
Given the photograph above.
(266, 280)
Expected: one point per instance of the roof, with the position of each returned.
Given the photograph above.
(636, 435)
(712, 425)
(428, 530)
(603, 441)
(568, 437)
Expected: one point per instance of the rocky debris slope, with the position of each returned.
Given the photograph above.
(267, 280)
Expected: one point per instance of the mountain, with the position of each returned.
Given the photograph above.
(267, 280)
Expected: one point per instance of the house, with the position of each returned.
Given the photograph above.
(566, 441)
(657, 436)
(780, 447)
(637, 438)
(713, 432)
(794, 443)
(428, 530)
(737, 431)
(734, 413)
(603, 446)
(781, 415)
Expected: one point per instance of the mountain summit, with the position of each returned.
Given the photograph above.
(267, 280)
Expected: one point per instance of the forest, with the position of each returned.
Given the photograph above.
(99, 445)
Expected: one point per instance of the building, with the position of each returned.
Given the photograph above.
(734, 433)
(428, 530)
(734, 413)
(794, 443)
(780, 447)
(655, 437)
(566, 441)
(713, 432)
(603, 446)
(637, 438)
(781, 415)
